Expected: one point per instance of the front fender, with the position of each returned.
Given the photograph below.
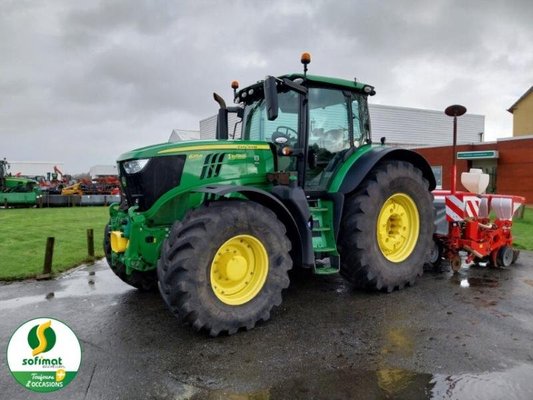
(297, 228)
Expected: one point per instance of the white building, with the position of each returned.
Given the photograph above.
(180, 135)
(103, 170)
(401, 126)
(414, 127)
(34, 168)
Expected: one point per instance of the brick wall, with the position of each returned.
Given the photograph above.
(514, 171)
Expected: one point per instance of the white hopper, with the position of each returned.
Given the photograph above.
(475, 181)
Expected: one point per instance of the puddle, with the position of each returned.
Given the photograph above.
(391, 383)
(83, 282)
(475, 282)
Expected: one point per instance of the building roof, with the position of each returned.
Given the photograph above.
(180, 135)
(513, 107)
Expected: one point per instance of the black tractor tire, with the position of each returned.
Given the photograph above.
(187, 255)
(144, 281)
(363, 263)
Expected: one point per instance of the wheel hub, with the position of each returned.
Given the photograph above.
(398, 227)
(236, 268)
(239, 269)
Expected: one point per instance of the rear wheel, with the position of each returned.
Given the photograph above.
(435, 261)
(387, 230)
(143, 280)
(224, 266)
(505, 256)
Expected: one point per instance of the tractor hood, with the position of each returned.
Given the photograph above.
(166, 149)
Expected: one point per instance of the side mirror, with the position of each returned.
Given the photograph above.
(271, 97)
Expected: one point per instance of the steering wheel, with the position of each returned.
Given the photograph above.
(284, 134)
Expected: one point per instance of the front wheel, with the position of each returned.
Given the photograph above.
(224, 266)
(387, 230)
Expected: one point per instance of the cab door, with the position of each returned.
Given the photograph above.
(335, 126)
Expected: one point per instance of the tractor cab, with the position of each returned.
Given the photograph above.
(313, 123)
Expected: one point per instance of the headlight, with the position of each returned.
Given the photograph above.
(134, 166)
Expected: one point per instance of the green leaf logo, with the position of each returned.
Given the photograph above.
(41, 338)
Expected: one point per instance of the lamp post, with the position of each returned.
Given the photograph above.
(454, 111)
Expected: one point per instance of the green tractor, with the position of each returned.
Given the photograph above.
(217, 225)
(17, 190)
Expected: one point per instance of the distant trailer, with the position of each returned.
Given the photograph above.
(56, 200)
(19, 199)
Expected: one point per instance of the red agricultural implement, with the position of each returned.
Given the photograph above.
(471, 222)
(471, 228)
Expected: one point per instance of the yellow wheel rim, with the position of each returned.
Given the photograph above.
(398, 227)
(239, 270)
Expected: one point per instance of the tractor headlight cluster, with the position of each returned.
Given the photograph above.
(134, 166)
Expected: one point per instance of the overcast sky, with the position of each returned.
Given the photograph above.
(83, 81)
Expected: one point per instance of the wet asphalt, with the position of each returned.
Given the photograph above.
(462, 336)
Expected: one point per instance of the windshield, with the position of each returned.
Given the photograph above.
(258, 127)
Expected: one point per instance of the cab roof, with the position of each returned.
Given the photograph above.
(326, 80)
(343, 84)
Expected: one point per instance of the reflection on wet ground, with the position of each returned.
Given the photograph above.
(81, 282)
(478, 282)
(391, 383)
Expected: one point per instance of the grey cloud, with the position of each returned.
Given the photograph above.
(106, 76)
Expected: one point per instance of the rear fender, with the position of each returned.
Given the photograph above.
(366, 162)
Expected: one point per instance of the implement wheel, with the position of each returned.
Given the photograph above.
(144, 281)
(387, 229)
(224, 266)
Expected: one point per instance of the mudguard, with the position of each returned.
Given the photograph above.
(364, 164)
(297, 227)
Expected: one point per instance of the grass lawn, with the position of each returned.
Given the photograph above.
(523, 230)
(23, 234)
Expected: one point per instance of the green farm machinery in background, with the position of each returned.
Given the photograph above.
(298, 182)
(17, 191)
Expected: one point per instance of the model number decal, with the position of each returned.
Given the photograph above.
(238, 156)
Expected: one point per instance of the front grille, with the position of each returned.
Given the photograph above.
(158, 176)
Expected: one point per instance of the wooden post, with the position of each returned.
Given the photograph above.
(90, 243)
(48, 258)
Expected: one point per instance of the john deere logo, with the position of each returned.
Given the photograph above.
(44, 355)
(41, 338)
